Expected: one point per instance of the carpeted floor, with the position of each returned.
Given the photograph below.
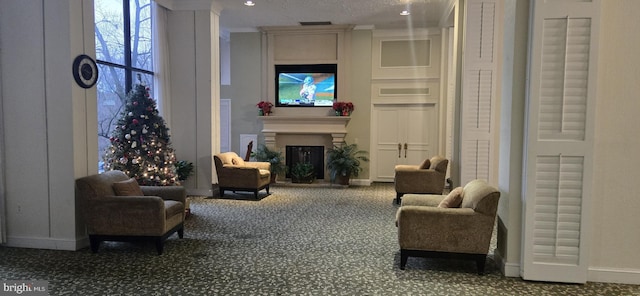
(295, 241)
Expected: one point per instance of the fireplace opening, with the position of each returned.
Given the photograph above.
(306, 154)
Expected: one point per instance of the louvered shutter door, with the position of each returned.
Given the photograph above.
(558, 153)
(479, 89)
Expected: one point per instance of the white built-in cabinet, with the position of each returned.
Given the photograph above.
(405, 97)
(404, 134)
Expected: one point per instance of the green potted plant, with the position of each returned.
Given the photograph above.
(343, 162)
(263, 153)
(184, 169)
(302, 173)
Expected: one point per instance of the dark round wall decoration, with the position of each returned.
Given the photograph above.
(85, 71)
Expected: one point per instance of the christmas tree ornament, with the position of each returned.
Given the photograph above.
(127, 136)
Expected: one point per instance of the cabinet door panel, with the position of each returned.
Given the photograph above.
(412, 127)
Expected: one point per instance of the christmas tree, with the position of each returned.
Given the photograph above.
(140, 145)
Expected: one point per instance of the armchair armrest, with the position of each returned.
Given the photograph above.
(239, 176)
(406, 168)
(459, 230)
(429, 200)
(114, 215)
(177, 193)
(264, 165)
(240, 171)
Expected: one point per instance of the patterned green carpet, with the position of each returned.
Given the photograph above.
(296, 241)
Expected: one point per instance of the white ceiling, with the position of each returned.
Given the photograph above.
(379, 14)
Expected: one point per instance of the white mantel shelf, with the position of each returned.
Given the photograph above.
(336, 126)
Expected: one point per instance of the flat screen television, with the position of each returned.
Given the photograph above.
(306, 85)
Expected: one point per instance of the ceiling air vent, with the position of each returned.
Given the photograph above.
(315, 23)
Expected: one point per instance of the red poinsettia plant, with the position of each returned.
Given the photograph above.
(343, 108)
(265, 106)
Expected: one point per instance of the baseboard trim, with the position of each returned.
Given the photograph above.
(595, 274)
(47, 243)
(507, 269)
(360, 182)
(200, 192)
(614, 275)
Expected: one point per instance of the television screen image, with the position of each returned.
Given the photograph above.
(305, 85)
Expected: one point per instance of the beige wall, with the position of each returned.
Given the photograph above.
(245, 67)
(246, 85)
(514, 71)
(47, 120)
(615, 238)
(360, 93)
(194, 97)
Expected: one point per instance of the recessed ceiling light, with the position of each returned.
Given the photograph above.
(405, 12)
(249, 3)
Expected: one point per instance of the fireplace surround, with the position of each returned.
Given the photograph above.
(282, 131)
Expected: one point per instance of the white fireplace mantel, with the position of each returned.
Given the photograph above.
(336, 126)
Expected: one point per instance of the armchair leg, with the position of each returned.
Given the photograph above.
(267, 189)
(95, 244)
(480, 262)
(181, 232)
(159, 245)
(255, 193)
(398, 196)
(403, 259)
(221, 192)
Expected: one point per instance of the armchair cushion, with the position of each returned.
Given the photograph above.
(453, 199)
(426, 164)
(237, 161)
(127, 188)
(173, 207)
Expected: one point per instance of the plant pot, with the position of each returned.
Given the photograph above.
(343, 180)
(274, 177)
(306, 179)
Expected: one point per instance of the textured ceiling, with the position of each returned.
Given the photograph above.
(381, 14)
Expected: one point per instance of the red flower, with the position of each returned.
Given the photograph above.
(265, 106)
(340, 106)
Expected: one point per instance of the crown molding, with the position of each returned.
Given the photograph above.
(211, 5)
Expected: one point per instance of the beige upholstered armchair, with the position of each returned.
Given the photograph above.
(116, 208)
(458, 225)
(235, 174)
(426, 178)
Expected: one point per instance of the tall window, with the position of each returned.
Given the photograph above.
(124, 55)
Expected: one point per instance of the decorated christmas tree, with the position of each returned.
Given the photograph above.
(140, 145)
